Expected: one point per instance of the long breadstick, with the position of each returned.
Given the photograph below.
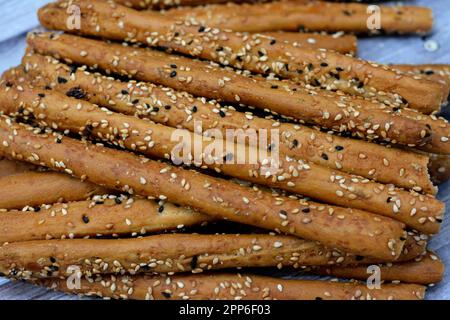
(255, 53)
(353, 231)
(330, 186)
(37, 188)
(176, 109)
(316, 16)
(202, 79)
(233, 287)
(427, 269)
(97, 217)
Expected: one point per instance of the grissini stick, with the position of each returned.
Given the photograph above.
(426, 269)
(56, 110)
(317, 67)
(342, 43)
(32, 189)
(9, 167)
(176, 109)
(112, 216)
(351, 230)
(205, 80)
(232, 287)
(315, 16)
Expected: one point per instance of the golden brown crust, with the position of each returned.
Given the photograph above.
(31, 189)
(202, 79)
(436, 72)
(315, 16)
(417, 211)
(255, 53)
(175, 109)
(9, 167)
(427, 269)
(342, 43)
(223, 286)
(101, 216)
(352, 230)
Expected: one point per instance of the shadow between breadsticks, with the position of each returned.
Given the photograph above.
(233, 287)
(180, 110)
(352, 230)
(426, 269)
(307, 15)
(326, 110)
(256, 53)
(52, 109)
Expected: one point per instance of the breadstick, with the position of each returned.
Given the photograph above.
(37, 188)
(315, 16)
(156, 141)
(342, 43)
(255, 53)
(98, 217)
(427, 269)
(9, 167)
(208, 81)
(351, 230)
(175, 109)
(158, 4)
(221, 286)
(439, 168)
(165, 253)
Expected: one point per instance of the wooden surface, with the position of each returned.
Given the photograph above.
(18, 16)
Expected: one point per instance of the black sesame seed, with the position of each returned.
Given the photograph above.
(161, 209)
(42, 95)
(166, 295)
(339, 148)
(52, 260)
(273, 41)
(125, 92)
(76, 93)
(48, 88)
(62, 80)
(73, 69)
(85, 219)
(173, 74)
(173, 66)
(306, 210)
(37, 209)
(388, 199)
(135, 101)
(339, 69)
(194, 109)
(274, 87)
(9, 84)
(438, 220)
(167, 107)
(359, 258)
(194, 262)
(324, 156)
(155, 109)
(283, 212)
(117, 200)
(58, 140)
(347, 13)
(222, 114)
(310, 67)
(201, 29)
(319, 298)
(324, 64)
(402, 238)
(429, 72)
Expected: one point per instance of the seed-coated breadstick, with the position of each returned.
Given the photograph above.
(233, 287)
(181, 110)
(351, 230)
(204, 80)
(98, 217)
(9, 167)
(37, 188)
(52, 109)
(427, 269)
(435, 72)
(315, 16)
(255, 53)
(342, 43)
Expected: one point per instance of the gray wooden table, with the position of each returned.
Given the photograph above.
(19, 16)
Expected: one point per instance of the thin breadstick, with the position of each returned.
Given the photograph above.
(9, 167)
(342, 43)
(156, 141)
(204, 80)
(255, 53)
(427, 269)
(97, 217)
(221, 286)
(312, 15)
(37, 188)
(351, 230)
(176, 109)
(165, 253)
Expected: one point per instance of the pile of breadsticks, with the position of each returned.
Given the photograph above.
(91, 188)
